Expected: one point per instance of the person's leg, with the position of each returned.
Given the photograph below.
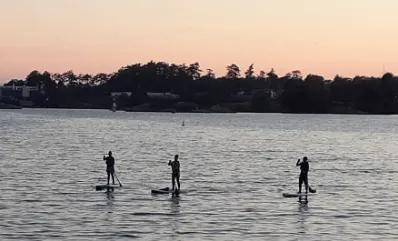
(172, 182)
(178, 182)
(108, 176)
(306, 183)
(113, 178)
(300, 183)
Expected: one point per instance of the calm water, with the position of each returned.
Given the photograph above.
(234, 170)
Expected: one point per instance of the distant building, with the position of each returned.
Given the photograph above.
(268, 92)
(274, 95)
(163, 96)
(116, 94)
(19, 92)
(152, 95)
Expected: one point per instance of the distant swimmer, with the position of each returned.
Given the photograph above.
(110, 166)
(304, 167)
(175, 168)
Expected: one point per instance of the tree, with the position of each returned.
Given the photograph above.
(34, 78)
(273, 81)
(249, 74)
(314, 81)
(233, 72)
(210, 74)
(85, 79)
(194, 71)
(15, 82)
(70, 78)
(296, 74)
(261, 74)
(312, 94)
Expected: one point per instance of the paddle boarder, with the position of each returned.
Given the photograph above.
(110, 166)
(304, 167)
(175, 168)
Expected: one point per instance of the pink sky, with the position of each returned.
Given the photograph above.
(347, 37)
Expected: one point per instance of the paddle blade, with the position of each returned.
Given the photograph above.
(311, 190)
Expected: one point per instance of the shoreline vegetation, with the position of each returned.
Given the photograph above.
(164, 87)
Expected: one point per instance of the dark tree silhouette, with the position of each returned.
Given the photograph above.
(233, 72)
(249, 74)
(184, 87)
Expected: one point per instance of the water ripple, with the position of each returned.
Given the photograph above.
(234, 169)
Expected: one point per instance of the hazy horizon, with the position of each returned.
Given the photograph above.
(336, 37)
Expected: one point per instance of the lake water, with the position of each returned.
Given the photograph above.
(234, 170)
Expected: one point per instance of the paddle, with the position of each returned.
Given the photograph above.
(118, 179)
(311, 190)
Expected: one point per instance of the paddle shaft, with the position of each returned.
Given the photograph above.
(118, 179)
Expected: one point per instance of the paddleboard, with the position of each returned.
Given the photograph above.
(111, 186)
(165, 190)
(297, 194)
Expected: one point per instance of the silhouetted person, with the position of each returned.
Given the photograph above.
(110, 166)
(304, 167)
(175, 168)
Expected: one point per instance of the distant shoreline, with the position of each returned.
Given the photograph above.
(198, 111)
(164, 87)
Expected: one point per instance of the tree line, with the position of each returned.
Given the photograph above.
(294, 93)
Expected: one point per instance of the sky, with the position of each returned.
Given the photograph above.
(345, 37)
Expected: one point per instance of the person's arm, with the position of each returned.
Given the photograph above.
(298, 162)
(169, 163)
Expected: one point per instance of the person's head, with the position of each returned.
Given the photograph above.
(305, 159)
(175, 157)
(110, 153)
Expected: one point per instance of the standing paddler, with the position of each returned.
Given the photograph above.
(175, 168)
(110, 166)
(304, 168)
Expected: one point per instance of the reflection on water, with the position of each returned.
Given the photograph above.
(175, 204)
(302, 215)
(234, 168)
(110, 198)
(303, 199)
(175, 218)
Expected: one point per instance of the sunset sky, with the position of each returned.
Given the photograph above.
(347, 37)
